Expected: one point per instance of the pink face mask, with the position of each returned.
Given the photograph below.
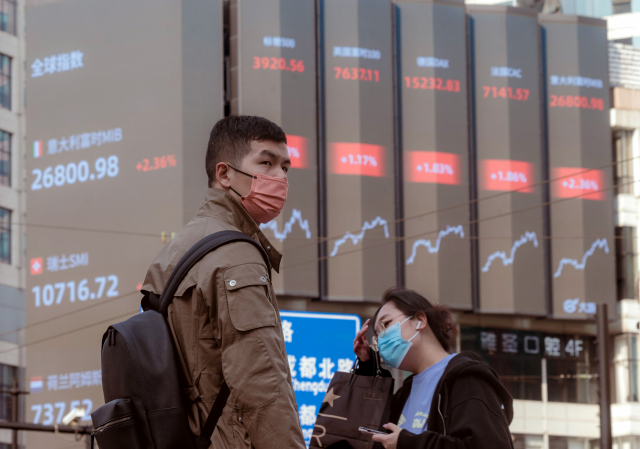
(267, 197)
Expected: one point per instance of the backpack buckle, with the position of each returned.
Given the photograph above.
(150, 301)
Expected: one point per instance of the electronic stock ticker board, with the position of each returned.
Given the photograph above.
(114, 161)
(580, 162)
(506, 61)
(274, 75)
(359, 144)
(432, 87)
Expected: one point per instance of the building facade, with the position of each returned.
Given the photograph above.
(12, 201)
(624, 69)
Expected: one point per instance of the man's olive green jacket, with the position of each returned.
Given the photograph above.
(226, 326)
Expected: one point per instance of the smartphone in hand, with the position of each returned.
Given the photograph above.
(371, 431)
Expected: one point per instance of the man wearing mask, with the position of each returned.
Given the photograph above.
(224, 317)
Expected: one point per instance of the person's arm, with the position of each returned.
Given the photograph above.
(475, 424)
(361, 348)
(254, 363)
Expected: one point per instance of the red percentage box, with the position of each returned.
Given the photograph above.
(576, 182)
(297, 146)
(357, 159)
(159, 162)
(433, 167)
(507, 175)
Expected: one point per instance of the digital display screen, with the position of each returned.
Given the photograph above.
(517, 355)
(273, 67)
(509, 159)
(580, 161)
(507, 343)
(432, 58)
(121, 99)
(359, 138)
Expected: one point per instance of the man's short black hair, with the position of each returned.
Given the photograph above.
(230, 140)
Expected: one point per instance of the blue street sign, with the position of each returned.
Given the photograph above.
(318, 345)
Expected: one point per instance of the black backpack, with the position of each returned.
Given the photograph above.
(141, 371)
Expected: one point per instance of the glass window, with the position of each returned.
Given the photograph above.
(625, 41)
(517, 358)
(7, 373)
(633, 369)
(573, 378)
(623, 155)
(626, 262)
(5, 159)
(5, 235)
(521, 376)
(5, 81)
(8, 16)
(621, 6)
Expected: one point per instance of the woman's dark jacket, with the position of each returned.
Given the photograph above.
(470, 407)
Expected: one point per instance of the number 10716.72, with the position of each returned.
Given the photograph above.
(55, 293)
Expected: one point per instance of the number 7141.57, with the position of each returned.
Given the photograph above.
(50, 294)
(520, 94)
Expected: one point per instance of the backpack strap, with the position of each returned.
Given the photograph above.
(191, 257)
(216, 412)
(197, 252)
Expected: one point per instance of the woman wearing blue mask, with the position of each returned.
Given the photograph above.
(451, 400)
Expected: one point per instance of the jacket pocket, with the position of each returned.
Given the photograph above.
(247, 297)
(115, 425)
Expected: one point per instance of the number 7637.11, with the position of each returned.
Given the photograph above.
(357, 74)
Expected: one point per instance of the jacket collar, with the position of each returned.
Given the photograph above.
(223, 206)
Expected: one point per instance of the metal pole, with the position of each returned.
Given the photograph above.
(79, 430)
(14, 412)
(397, 154)
(323, 267)
(545, 402)
(603, 377)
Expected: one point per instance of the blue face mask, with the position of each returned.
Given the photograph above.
(393, 348)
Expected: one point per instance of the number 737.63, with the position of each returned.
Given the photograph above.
(506, 92)
(48, 411)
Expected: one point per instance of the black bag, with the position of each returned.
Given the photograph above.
(353, 401)
(141, 371)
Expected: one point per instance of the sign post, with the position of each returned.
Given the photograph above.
(602, 329)
(318, 345)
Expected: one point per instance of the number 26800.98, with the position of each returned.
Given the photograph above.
(74, 172)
